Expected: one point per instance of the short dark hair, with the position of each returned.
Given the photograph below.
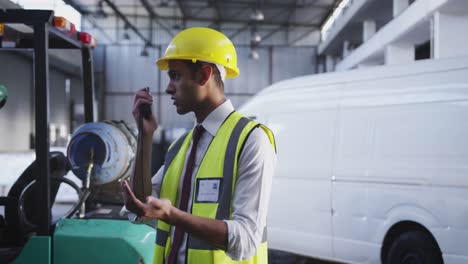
(195, 68)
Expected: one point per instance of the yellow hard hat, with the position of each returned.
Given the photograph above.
(202, 44)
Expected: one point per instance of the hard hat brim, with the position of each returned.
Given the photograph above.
(163, 64)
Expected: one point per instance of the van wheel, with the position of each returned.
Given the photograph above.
(414, 247)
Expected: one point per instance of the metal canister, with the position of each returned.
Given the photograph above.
(113, 145)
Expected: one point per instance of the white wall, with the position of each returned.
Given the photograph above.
(450, 36)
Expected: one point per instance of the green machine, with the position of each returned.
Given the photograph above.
(100, 154)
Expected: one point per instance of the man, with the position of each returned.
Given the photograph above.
(214, 187)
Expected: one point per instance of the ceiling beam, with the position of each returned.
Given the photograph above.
(269, 4)
(151, 29)
(182, 9)
(95, 25)
(236, 4)
(233, 28)
(254, 22)
(219, 11)
(272, 32)
(237, 21)
(301, 37)
(148, 42)
(291, 13)
(218, 23)
(86, 14)
(233, 35)
(330, 11)
(77, 7)
(155, 16)
(292, 10)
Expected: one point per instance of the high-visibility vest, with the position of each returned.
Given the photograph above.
(218, 167)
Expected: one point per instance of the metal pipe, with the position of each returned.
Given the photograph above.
(88, 83)
(41, 84)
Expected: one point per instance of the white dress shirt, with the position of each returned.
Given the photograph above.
(252, 193)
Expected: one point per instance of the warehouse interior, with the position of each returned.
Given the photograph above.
(288, 35)
(277, 42)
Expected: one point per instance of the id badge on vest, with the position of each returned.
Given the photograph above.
(208, 190)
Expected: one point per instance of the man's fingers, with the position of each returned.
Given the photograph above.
(154, 202)
(128, 190)
(141, 101)
(132, 196)
(122, 184)
(143, 96)
(142, 93)
(132, 199)
(151, 199)
(124, 190)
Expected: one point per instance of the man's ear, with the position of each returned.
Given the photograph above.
(205, 74)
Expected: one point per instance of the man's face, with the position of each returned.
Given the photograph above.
(182, 87)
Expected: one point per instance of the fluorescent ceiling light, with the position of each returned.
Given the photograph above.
(257, 15)
(256, 38)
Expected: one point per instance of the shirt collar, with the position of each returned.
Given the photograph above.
(215, 119)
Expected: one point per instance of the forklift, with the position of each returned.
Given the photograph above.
(100, 154)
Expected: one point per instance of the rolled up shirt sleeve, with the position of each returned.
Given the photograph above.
(251, 196)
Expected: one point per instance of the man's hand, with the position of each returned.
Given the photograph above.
(210, 230)
(153, 208)
(130, 205)
(144, 98)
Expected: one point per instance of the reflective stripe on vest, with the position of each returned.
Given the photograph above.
(219, 165)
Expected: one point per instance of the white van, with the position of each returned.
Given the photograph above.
(372, 163)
